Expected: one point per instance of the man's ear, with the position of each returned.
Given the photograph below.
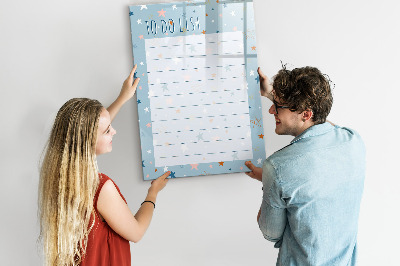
(306, 115)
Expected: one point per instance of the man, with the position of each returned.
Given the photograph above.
(312, 187)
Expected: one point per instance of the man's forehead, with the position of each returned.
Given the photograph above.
(278, 100)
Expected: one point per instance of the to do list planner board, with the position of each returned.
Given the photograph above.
(198, 98)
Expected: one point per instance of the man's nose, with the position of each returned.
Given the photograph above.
(272, 110)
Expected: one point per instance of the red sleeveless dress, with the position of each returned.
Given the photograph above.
(105, 247)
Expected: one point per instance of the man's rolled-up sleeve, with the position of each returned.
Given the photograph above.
(272, 221)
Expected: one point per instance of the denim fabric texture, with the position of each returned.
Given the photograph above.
(312, 191)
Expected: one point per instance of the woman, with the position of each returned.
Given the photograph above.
(84, 219)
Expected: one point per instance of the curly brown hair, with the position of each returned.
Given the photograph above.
(304, 88)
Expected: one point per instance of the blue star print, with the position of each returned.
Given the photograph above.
(172, 174)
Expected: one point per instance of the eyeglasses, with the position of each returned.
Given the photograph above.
(278, 106)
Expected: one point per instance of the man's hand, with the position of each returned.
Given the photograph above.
(256, 172)
(265, 87)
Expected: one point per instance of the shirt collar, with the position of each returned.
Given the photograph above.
(314, 131)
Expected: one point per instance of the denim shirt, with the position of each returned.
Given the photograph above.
(311, 197)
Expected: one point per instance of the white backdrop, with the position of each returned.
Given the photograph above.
(51, 51)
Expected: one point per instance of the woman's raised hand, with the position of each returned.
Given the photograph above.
(129, 87)
(127, 91)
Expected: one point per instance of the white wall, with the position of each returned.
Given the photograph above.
(51, 51)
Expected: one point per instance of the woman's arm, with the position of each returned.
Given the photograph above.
(127, 91)
(119, 217)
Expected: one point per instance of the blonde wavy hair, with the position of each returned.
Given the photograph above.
(68, 182)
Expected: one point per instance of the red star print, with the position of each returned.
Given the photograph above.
(161, 13)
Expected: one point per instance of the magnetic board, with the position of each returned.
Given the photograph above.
(198, 99)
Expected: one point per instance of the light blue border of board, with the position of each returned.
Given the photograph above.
(207, 24)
